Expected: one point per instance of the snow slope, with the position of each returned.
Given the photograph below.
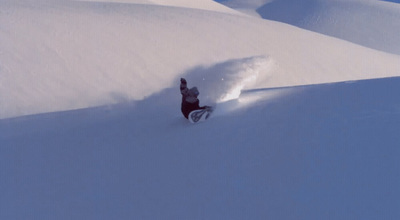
(196, 4)
(319, 152)
(276, 146)
(59, 55)
(371, 23)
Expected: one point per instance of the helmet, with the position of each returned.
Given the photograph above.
(194, 92)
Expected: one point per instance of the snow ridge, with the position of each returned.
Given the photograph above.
(371, 23)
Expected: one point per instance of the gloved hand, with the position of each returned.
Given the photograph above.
(183, 81)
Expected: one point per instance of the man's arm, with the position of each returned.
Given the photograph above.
(183, 87)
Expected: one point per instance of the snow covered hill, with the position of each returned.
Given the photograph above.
(306, 125)
(196, 4)
(60, 55)
(316, 152)
(371, 23)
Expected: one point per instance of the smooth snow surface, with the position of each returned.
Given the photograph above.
(306, 125)
(317, 152)
(197, 4)
(60, 55)
(371, 23)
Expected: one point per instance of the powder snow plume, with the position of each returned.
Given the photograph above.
(225, 81)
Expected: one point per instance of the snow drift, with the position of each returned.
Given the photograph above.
(318, 152)
(371, 23)
(61, 55)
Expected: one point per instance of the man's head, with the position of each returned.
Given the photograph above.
(194, 92)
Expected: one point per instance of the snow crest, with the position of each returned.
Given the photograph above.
(225, 81)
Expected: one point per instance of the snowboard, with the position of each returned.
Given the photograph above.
(200, 115)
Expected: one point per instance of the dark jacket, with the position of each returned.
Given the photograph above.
(190, 102)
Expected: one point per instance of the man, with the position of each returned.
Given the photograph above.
(190, 102)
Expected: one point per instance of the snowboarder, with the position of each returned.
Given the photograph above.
(190, 102)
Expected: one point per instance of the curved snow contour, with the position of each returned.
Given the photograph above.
(64, 55)
(225, 81)
(374, 24)
(208, 5)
